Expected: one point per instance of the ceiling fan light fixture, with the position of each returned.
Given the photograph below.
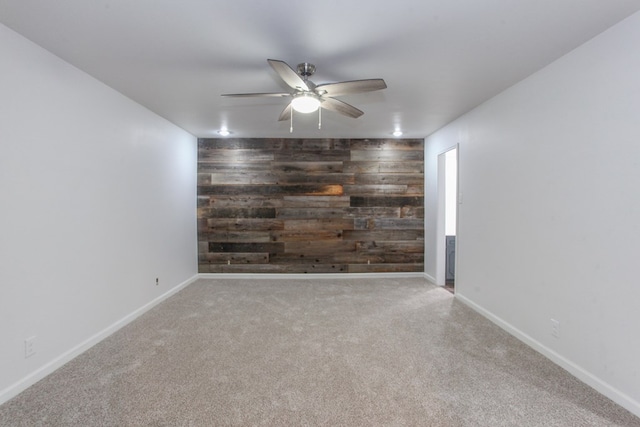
(305, 103)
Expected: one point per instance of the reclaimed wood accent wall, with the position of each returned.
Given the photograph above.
(310, 205)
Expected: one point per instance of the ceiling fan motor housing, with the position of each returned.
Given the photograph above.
(305, 69)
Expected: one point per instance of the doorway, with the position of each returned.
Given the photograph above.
(447, 217)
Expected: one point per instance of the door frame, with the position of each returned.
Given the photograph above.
(441, 250)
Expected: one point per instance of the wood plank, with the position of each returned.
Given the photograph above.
(246, 247)
(312, 156)
(316, 144)
(218, 167)
(357, 201)
(378, 258)
(271, 190)
(313, 177)
(388, 247)
(389, 224)
(382, 235)
(412, 212)
(310, 167)
(262, 177)
(299, 213)
(276, 268)
(390, 178)
(319, 224)
(250, 201)
(386, 155)
(243, 177)
(385, 268)
(316, 201)
(204, 178)
(203, 201)
(236, 213)
(235, 156)
(387, 144)
(374, 190)
(234, 258)
(369, 167)
(311, 249)
(236, 236)
(375, 211)
(205, 144)
(306, 235)
(244, 224)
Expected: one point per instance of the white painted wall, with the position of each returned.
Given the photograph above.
(97, 199)
(549, 224)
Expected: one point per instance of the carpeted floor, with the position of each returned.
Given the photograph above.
(326, 352)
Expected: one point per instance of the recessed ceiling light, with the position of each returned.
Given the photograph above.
(397, 133)
(224, 132)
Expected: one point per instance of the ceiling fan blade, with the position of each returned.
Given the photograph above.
(341, 107)
(244, 95)
(287, 74)
(353, 86)
(286, 113)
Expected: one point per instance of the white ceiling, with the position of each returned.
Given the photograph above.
(440, 58)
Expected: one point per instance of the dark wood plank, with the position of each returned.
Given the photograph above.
(357, 201)
(389, 247)
(376, 235)
(316, 144)
(271, 190)
(389, 178)
(389, 224)
(385, 268)
(205, 144)
(274, 268)
(237, 236)
(387, 144)
(312, 156)
(237, 213)
(310, 167)
(246, 247)
(234, 258)
(223, 167)
(244, 224)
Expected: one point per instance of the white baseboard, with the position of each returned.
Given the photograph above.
(18, 387)
(588, 378)
(307, 276)
(430, 278)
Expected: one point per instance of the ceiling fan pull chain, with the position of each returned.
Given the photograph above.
(291, 127)
(319, 118)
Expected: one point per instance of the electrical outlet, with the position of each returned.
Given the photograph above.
(29, 347)
(157, 281)
(555, 328)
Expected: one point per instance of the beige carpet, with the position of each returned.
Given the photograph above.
(374, 352)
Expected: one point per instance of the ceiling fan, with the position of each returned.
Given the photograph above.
(309, 97)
